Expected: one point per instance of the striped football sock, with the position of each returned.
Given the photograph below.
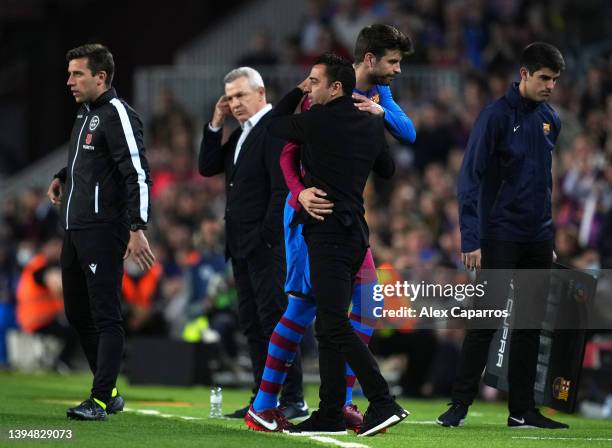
(282, 349)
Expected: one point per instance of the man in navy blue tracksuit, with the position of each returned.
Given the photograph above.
(504, 194)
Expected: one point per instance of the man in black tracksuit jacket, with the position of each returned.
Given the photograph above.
(105, 203)
(504, 194)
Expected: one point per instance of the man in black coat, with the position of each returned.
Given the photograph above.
(340, 146)
(256, 193)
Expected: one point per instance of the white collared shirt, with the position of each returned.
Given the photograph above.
(246, 128)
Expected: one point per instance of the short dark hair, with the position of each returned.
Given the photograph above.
(99, 58)
(538, 55)
(379, 38)
(338, 69)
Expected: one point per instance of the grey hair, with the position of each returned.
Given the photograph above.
(255, 80)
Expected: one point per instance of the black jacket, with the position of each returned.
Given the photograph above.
(107, 179)
(340, 146)
(254, 186)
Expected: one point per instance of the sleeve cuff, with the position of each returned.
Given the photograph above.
(61, 175)
(212, 128)
(137, 226)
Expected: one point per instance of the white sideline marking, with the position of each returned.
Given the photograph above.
(433, 422)
(566, 438)
(331, 441)
(159, 414)
(143, 411)
(420, 422)
(321, 439)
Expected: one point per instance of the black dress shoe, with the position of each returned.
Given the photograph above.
(377, 418)
(317, 425)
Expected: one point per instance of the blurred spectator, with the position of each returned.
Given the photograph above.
(261, 54)
(31, 217)
(211, 289)
(291, 52)
(316, 16)
(40, 305)
(566, 244)
(348, 21)
(179, 169)
(434, 137)
(169, 118)
(326, 41)
(141, 300)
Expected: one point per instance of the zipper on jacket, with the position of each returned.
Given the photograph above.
(76, 154)
(96, 197)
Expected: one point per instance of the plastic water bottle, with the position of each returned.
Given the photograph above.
(216, 401)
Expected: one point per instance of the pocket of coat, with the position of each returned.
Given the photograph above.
(96, 195)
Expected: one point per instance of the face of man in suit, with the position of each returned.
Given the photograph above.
(243, 99)
(319, 89)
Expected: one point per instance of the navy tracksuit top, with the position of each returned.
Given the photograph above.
(505, 183)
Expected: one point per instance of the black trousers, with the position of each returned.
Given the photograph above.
(333, 266)
(260, 282)
(531, 290)
(92, 270)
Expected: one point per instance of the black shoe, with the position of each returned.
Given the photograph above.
(239, 413)
(317, 425)
(377, 418)
(88, 410)
(454, 416)
(293, 410)
(115, 404)
(534, 419)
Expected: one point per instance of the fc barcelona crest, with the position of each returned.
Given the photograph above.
(546, 128)
(376, 98)
(561, 388)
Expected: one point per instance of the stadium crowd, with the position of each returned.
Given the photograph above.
(413, 218)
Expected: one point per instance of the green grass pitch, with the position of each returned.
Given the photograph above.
(171, 416)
